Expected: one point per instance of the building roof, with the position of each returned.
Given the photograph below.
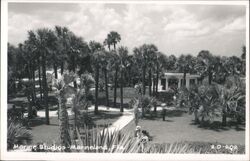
(181, 74)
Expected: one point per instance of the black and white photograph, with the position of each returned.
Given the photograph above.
(103, 79)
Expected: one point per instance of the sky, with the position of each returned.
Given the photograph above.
(174, 29)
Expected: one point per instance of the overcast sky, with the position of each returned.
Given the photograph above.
(174, 29)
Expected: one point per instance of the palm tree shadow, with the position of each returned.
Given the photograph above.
(217, 126)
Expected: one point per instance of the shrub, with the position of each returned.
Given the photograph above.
(17, 134)
(204, 102)
(115, 141)
(166, 96)
(182, 97)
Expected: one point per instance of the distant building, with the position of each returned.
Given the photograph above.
(175, 80)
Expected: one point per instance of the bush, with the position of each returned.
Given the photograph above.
(117, 142)
(17, 134)
(182, 97)
(166, 97)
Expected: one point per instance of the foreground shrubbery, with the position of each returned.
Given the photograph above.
(107, 141)
(17, 134)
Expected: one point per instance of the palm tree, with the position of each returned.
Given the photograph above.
(113, 38)
(106, 65)
(243, 58)
(108, 41)
(152, 51)
(115, 65)
(233, 65)
(185, 64)
(206, 65)
(161, 66)
(62, 45)
(13, 70)
(82, 99)
(78, 48)
(123, 56)
(28, 50)
(64, 90)
(97, 52)
(45, 44)
(143, 57)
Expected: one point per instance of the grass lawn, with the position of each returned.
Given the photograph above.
(179, 126)
(50, 133)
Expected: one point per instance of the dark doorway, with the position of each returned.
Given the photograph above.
(173, 83)
(163, 83)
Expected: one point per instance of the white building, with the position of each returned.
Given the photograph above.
(169, 80)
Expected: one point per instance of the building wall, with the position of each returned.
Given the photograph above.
(179, 77)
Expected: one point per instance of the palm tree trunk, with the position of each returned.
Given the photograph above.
(115, 88)
(31, 84)
(74, 70)
(39, 75)
(96, 88)
(196, 118)
(29, 107)
(209, 76)
(157, 80)
(121, 90)
(129, 77)
(34, 80)
(106, 87)
(55, 71)
(184, 78)
(150, 83)
(143, 80)
(62, 67)
(64, 123)
(224, 119)
(45, 89)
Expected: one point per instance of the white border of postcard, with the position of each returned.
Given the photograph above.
(5, 155)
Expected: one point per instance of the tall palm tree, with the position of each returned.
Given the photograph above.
(78, 49)
(115, 65)
(64, 90)
(62, 45)
(113, 38)
(97, 52)
(161, 66)
(45, 45)
(106, 66)
(143, 57)
(206, 65)
(185, 64)
(108, 41)
(123, 56)
(141, 63)
(27, 50)
(152, 51)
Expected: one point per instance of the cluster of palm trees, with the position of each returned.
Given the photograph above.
(60, 48)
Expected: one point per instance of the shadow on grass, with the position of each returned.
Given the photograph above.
(38, 121)
(19, 103)
(104, 115)
(102, 102)
(169, 114)
(217, 126)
